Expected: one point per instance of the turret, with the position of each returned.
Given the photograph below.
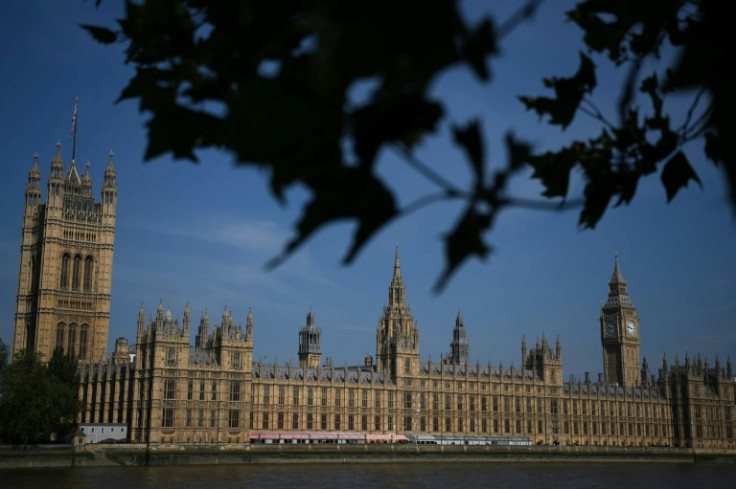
(186, 322)
(56, 179)
(459, 347)
(141, 323)
(203, 333)
(33, 188)
(619, 323)
(397, 334)
(160, 316)
(310, 344)
(523, 350)
(87, 181)
(665, 367)
(110, 186)
(729, 370)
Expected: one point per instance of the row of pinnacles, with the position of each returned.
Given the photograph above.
(65, 275)
(170, 391)
(163, 342)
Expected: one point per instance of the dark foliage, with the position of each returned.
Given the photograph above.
(37, 400)
(269, 82)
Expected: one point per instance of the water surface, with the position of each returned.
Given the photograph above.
(378, 475)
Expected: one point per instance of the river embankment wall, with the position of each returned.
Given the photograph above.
(139, 454)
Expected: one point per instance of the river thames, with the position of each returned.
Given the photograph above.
(377, 475)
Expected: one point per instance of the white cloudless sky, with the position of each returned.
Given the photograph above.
(202, 233)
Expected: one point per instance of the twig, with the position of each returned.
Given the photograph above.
(433, 176)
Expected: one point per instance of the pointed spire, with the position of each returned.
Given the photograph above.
(729, 370)
(109, 186)
(618, 294)
(34, 169)
(187, 320)
(523, 350)
(617, 277)
(396, 291)
(33, 188)
(141, 321)
(86, 178)
(665, 367)
(57, 164)
(397, 265)
(249, 324)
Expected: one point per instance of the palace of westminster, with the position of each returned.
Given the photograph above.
(169, 391)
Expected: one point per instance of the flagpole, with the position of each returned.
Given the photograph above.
(74, 128)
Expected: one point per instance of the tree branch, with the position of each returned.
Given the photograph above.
(525, 12)
(450, 189)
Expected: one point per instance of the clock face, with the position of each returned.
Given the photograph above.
(630, 327)
(610, 328)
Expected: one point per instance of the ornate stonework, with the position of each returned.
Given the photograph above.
(172, 392)
(66, 263)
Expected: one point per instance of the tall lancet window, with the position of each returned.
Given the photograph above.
(83, 333)
(60, 335)
(72, 338)
(76, 271)
(88, 273)
(64, 282)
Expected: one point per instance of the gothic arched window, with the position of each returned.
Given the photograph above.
(64, 282)
(171, 357)
(76, 271)
(60, 335)
(83, 334)
(88, 273)
(71, 338)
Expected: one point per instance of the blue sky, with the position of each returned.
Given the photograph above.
(201, 233)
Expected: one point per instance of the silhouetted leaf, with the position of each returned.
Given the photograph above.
(345, 193)
(519, 152)
(464, 241)
(293, 118)
(469, 138)
(478, 45)
(101, 34)
(676, 174)
(713, 147)
(569, 93)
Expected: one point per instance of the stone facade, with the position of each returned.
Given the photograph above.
(66, 263)
(172, 392)
(212, 392)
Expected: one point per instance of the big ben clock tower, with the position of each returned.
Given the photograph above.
(620, 334)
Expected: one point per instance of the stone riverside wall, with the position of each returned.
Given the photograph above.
(137, 454)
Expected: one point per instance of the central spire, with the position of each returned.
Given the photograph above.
(397, 265)
(396, 291)
(617, 277)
